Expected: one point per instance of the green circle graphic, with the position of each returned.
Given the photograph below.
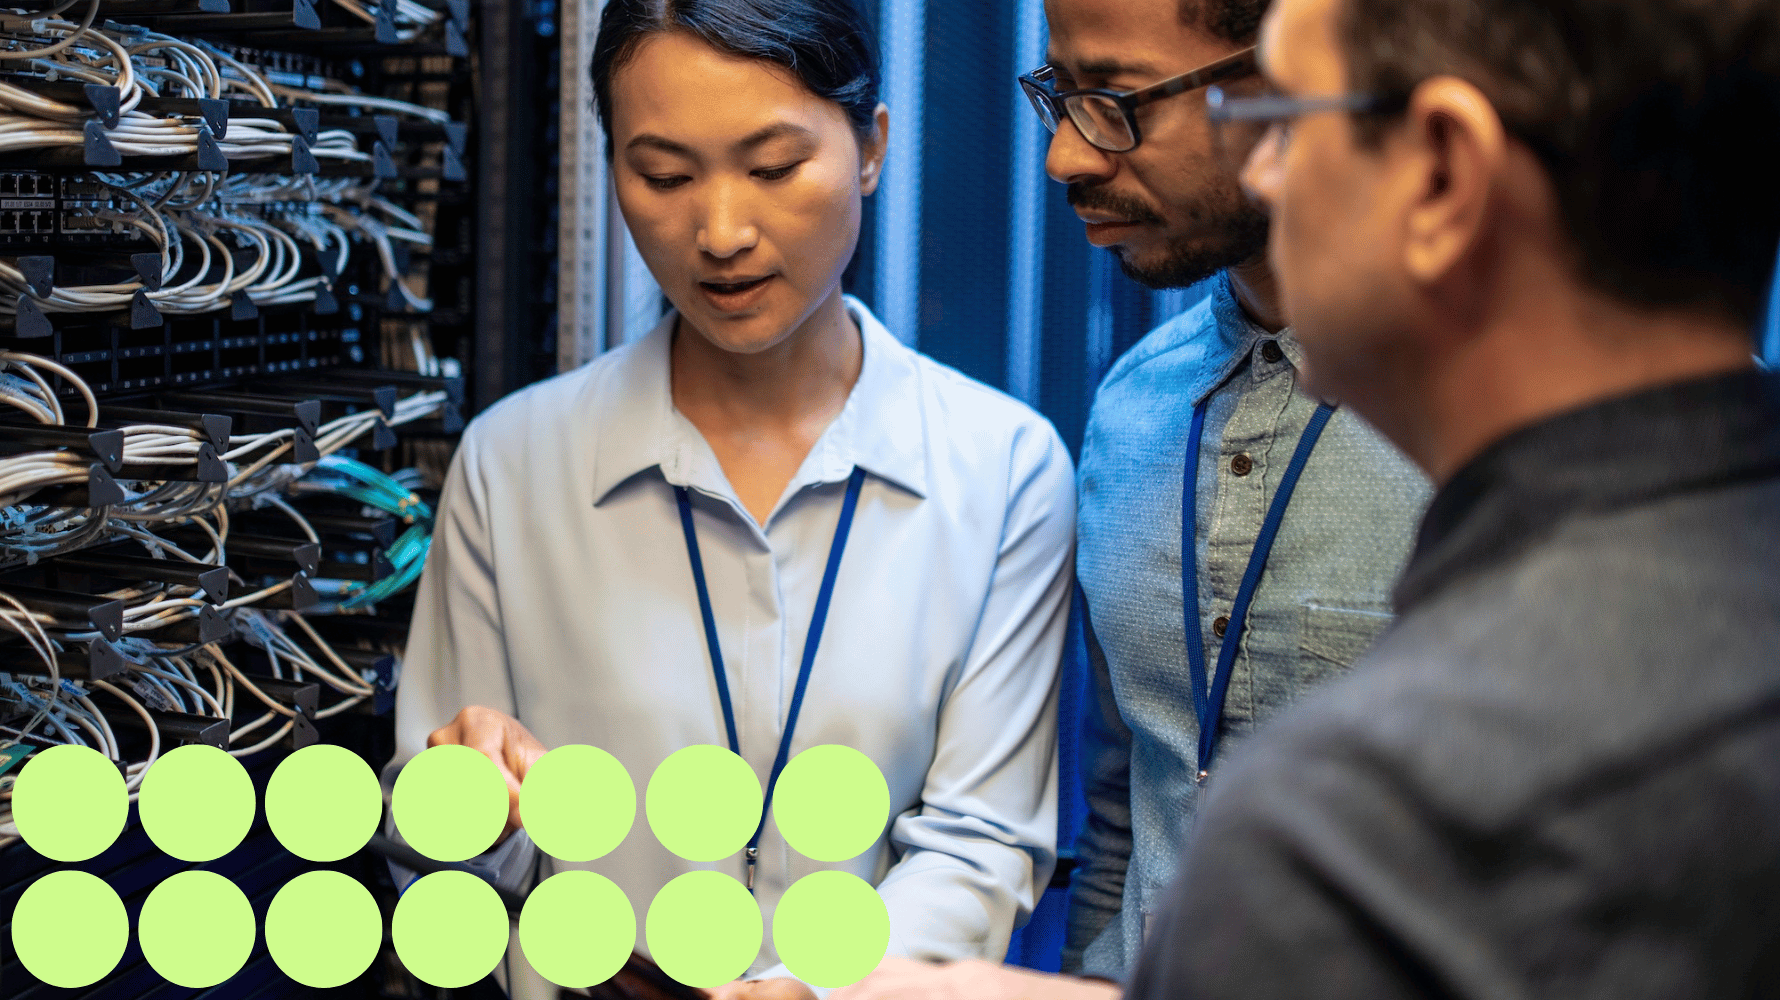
(831, 929)
(577, 929)
(69, 928)
(323, 928)
(323, 803)
(69, 803)
(450, 928)
(703, 803)
(704, 929)
(450, 803)
(196, 927)
(831, 803)
(197, 803)
(578, 803)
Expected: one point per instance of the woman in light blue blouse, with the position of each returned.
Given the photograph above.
(631, 555)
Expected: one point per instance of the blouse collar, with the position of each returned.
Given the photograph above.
(882, 428)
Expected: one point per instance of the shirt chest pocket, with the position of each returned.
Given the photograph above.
(1331, 639)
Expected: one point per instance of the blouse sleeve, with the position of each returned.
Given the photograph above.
(455, 655)
(979, 851)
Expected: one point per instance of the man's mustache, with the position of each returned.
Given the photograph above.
(1099, 199)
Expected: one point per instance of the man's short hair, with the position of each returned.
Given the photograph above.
(1655, 119)
(1236, 21)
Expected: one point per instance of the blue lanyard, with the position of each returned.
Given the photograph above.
(817, 620)
(1208, 701)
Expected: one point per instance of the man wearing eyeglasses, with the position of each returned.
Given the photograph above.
(1295, 516)
(1529, 242)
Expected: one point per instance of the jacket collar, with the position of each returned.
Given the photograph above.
(1610, 455)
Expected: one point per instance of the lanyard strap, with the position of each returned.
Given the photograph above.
(1208, 700)
(818, 619)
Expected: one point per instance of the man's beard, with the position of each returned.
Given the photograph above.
(1232, 231)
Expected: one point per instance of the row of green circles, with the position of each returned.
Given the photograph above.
(450, 929)
(450, 802)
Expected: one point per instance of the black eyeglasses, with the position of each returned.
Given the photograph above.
(1108, 118)
(1240, 124)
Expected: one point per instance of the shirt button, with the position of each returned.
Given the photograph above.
(1220, 626)
(1271, 353)
(1242, 465)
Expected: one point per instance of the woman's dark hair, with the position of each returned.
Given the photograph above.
(824, 43)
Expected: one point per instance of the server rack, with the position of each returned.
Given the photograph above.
(250, 505)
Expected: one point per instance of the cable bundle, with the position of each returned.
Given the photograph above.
(255, 461)
(161, 677)
(145, 63)
(358, 481)
(196, 220)
(22, 387)
(411, 19)
(32, 121)
(192, 220)
(41, 706)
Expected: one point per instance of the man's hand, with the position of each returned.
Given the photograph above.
(762, 989)
(904, 979)
(500, 738)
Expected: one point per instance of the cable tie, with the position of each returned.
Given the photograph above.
(98, 148)
(29, 322)
(40, 274)
(148, 268)
(143, 314)
(456, 44)
(210, 155)
(385, 23)
(216, 115)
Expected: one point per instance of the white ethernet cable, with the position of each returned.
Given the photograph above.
(79, 29)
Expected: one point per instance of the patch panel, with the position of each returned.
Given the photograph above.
(27, 185)
(27, 222)
(42, 212)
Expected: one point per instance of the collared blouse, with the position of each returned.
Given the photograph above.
(559, 590)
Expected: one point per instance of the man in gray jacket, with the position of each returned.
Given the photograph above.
(1296, 516)
(1556, 776)
(1528, 241)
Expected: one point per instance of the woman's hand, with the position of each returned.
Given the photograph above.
(500, 738)
(762, 989)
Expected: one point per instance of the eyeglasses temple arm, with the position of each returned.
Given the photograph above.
(1233, 65)
(1272, 109)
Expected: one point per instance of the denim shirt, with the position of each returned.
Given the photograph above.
(1323, 598)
